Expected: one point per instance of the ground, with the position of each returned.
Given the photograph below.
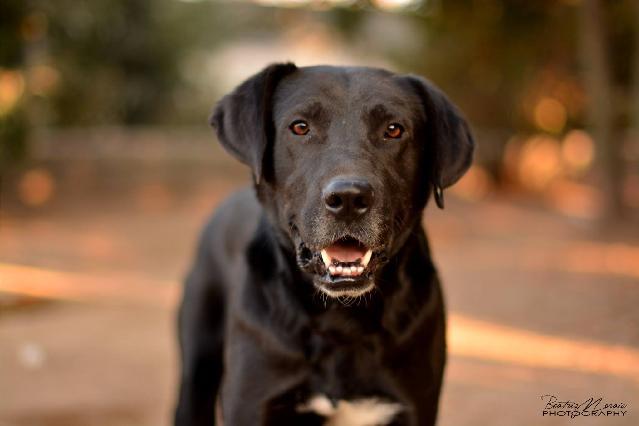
(540, 303)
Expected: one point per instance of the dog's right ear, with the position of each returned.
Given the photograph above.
(243, 119)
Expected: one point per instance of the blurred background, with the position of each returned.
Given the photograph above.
(108, 170)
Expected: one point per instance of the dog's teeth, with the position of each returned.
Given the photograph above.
(326, 258)
(367, 258)
(353, 270)
(339, 269)
(360, 269)
(332, 269)
(346, 271)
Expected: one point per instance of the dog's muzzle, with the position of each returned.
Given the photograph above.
(346, 267)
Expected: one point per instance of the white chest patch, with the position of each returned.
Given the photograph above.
(358, 412)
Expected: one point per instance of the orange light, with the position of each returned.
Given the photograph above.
(550, 115)
(577, 150)
(575, 199)
(394, 4)
(493, 342)
(43, 79)
(62, 285)
(11, 89)
(475, 184)
(36, 187)
(539, 162)
(34, 26)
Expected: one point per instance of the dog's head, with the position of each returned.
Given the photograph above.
(344, 160)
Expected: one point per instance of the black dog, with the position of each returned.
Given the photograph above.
(316, 301)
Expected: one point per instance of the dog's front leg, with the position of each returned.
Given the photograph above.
(201, 330)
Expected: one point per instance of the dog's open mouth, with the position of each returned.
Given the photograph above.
(345, 267)
(346, 257)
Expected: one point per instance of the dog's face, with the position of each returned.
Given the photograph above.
(344, 160)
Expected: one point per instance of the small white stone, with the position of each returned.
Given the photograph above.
(32, 355)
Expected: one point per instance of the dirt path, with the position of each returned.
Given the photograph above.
(539, 303)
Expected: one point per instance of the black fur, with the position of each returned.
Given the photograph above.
(256, 332)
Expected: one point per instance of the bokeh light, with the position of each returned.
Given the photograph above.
(550, 115)
(34, 26)
(539, 162)
(577, 151)
(36, 187)
(43, 79)
(316, 4)
(11, 89)
(475, 185)
(395, 4)
(575, 199)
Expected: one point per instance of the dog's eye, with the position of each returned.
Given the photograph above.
(299, 127)
(393, 131)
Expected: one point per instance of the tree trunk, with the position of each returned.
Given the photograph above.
(635, 89)
(601, 106)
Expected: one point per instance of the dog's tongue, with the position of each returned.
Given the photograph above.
(345, 252)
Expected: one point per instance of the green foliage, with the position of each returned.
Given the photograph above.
(123, 61)
(12, 13)
(13, 137)
(13, 121)
(118, 62)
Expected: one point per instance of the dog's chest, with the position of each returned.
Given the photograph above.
(370, 411)
(344, 367)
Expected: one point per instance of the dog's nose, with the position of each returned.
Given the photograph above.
(348, 198)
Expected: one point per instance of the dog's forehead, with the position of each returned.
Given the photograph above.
(342, 86)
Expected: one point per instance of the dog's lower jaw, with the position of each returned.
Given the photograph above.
(348, 293)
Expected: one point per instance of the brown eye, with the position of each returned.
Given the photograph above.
(393, 131)
(299, 127)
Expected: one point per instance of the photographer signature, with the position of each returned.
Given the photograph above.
(591, 407)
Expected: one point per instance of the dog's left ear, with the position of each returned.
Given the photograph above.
(243, 119)
(448, 131)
